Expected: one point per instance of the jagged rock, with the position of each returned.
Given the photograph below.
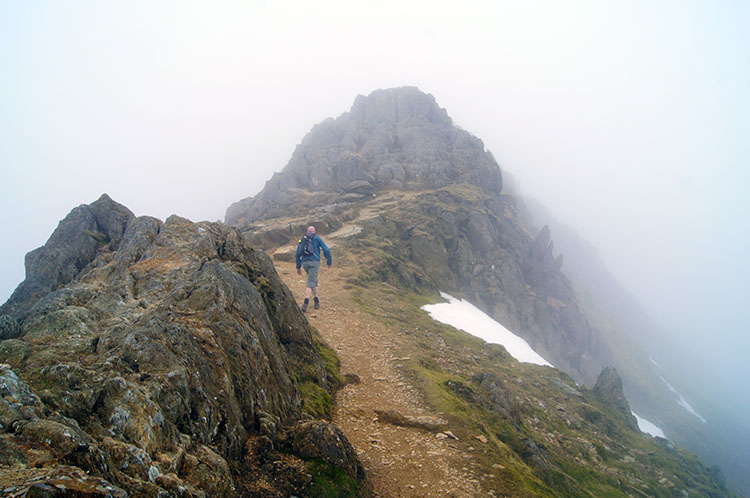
(361, 187)
(319, 439)
(153, 339)
(60, 481)
(17, 402)
(392, 138)
(72, 247)
(608, 388)
(498, 398)
(83, 487)
(541, 247)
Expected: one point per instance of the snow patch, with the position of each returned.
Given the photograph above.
(683, 402)
(465, 316)
(648, 427)
(689, 408)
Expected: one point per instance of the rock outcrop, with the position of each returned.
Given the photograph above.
(608, 388)
(396, 138)
(148, 354)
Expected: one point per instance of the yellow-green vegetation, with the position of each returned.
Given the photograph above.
(330, 481)
(330, 361)
(317, 401)
(530, 426)
(100, 237)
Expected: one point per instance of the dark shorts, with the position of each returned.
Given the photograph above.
(311, 267)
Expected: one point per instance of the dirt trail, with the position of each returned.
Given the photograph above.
(400, 461)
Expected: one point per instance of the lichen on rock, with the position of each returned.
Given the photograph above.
(136, 339)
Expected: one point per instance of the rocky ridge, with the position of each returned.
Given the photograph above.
(154, 358)
(452, 230)
(436, 412)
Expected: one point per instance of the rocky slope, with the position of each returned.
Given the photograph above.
(436, 412)
(460, 235)
(630, 332)
(423, 202)
(149, 358)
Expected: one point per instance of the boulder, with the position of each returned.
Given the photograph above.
(425, 422)
(319, 439)
(608, 388)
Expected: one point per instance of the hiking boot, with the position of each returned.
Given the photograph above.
(304, 306)
(317, 305)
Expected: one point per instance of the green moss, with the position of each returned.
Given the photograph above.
(465, 192)
(100, 237)
(316, 389)
(331, 363)
(316, 401)
(330, 481)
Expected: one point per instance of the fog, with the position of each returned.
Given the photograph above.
(628, 120)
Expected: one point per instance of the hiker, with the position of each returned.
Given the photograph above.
(308, 257)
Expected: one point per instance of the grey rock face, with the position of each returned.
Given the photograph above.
(395, 138)
(463, 241)
(319, 439)
(147, 352)
(608, 388)
(72, 246)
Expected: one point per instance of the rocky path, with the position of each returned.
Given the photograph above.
(401, 461)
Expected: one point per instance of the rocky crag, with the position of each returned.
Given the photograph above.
(390, 139)
(150, 358)
(422, 205)
(458, 233)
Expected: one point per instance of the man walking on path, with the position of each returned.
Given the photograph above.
(308, 257)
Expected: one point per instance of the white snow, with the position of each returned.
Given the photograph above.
(689, 408)
(669, 385)
(683, 402)
(648, 427)
(465, 316)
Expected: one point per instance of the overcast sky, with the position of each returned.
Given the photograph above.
(628, 119)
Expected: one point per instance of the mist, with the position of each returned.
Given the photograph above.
(628, 120)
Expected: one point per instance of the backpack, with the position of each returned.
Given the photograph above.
(308, 246)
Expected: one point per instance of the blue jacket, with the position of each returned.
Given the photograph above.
(319, 244)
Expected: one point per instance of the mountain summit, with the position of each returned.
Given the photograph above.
(396, 138)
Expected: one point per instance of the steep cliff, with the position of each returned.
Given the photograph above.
(160, 358)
